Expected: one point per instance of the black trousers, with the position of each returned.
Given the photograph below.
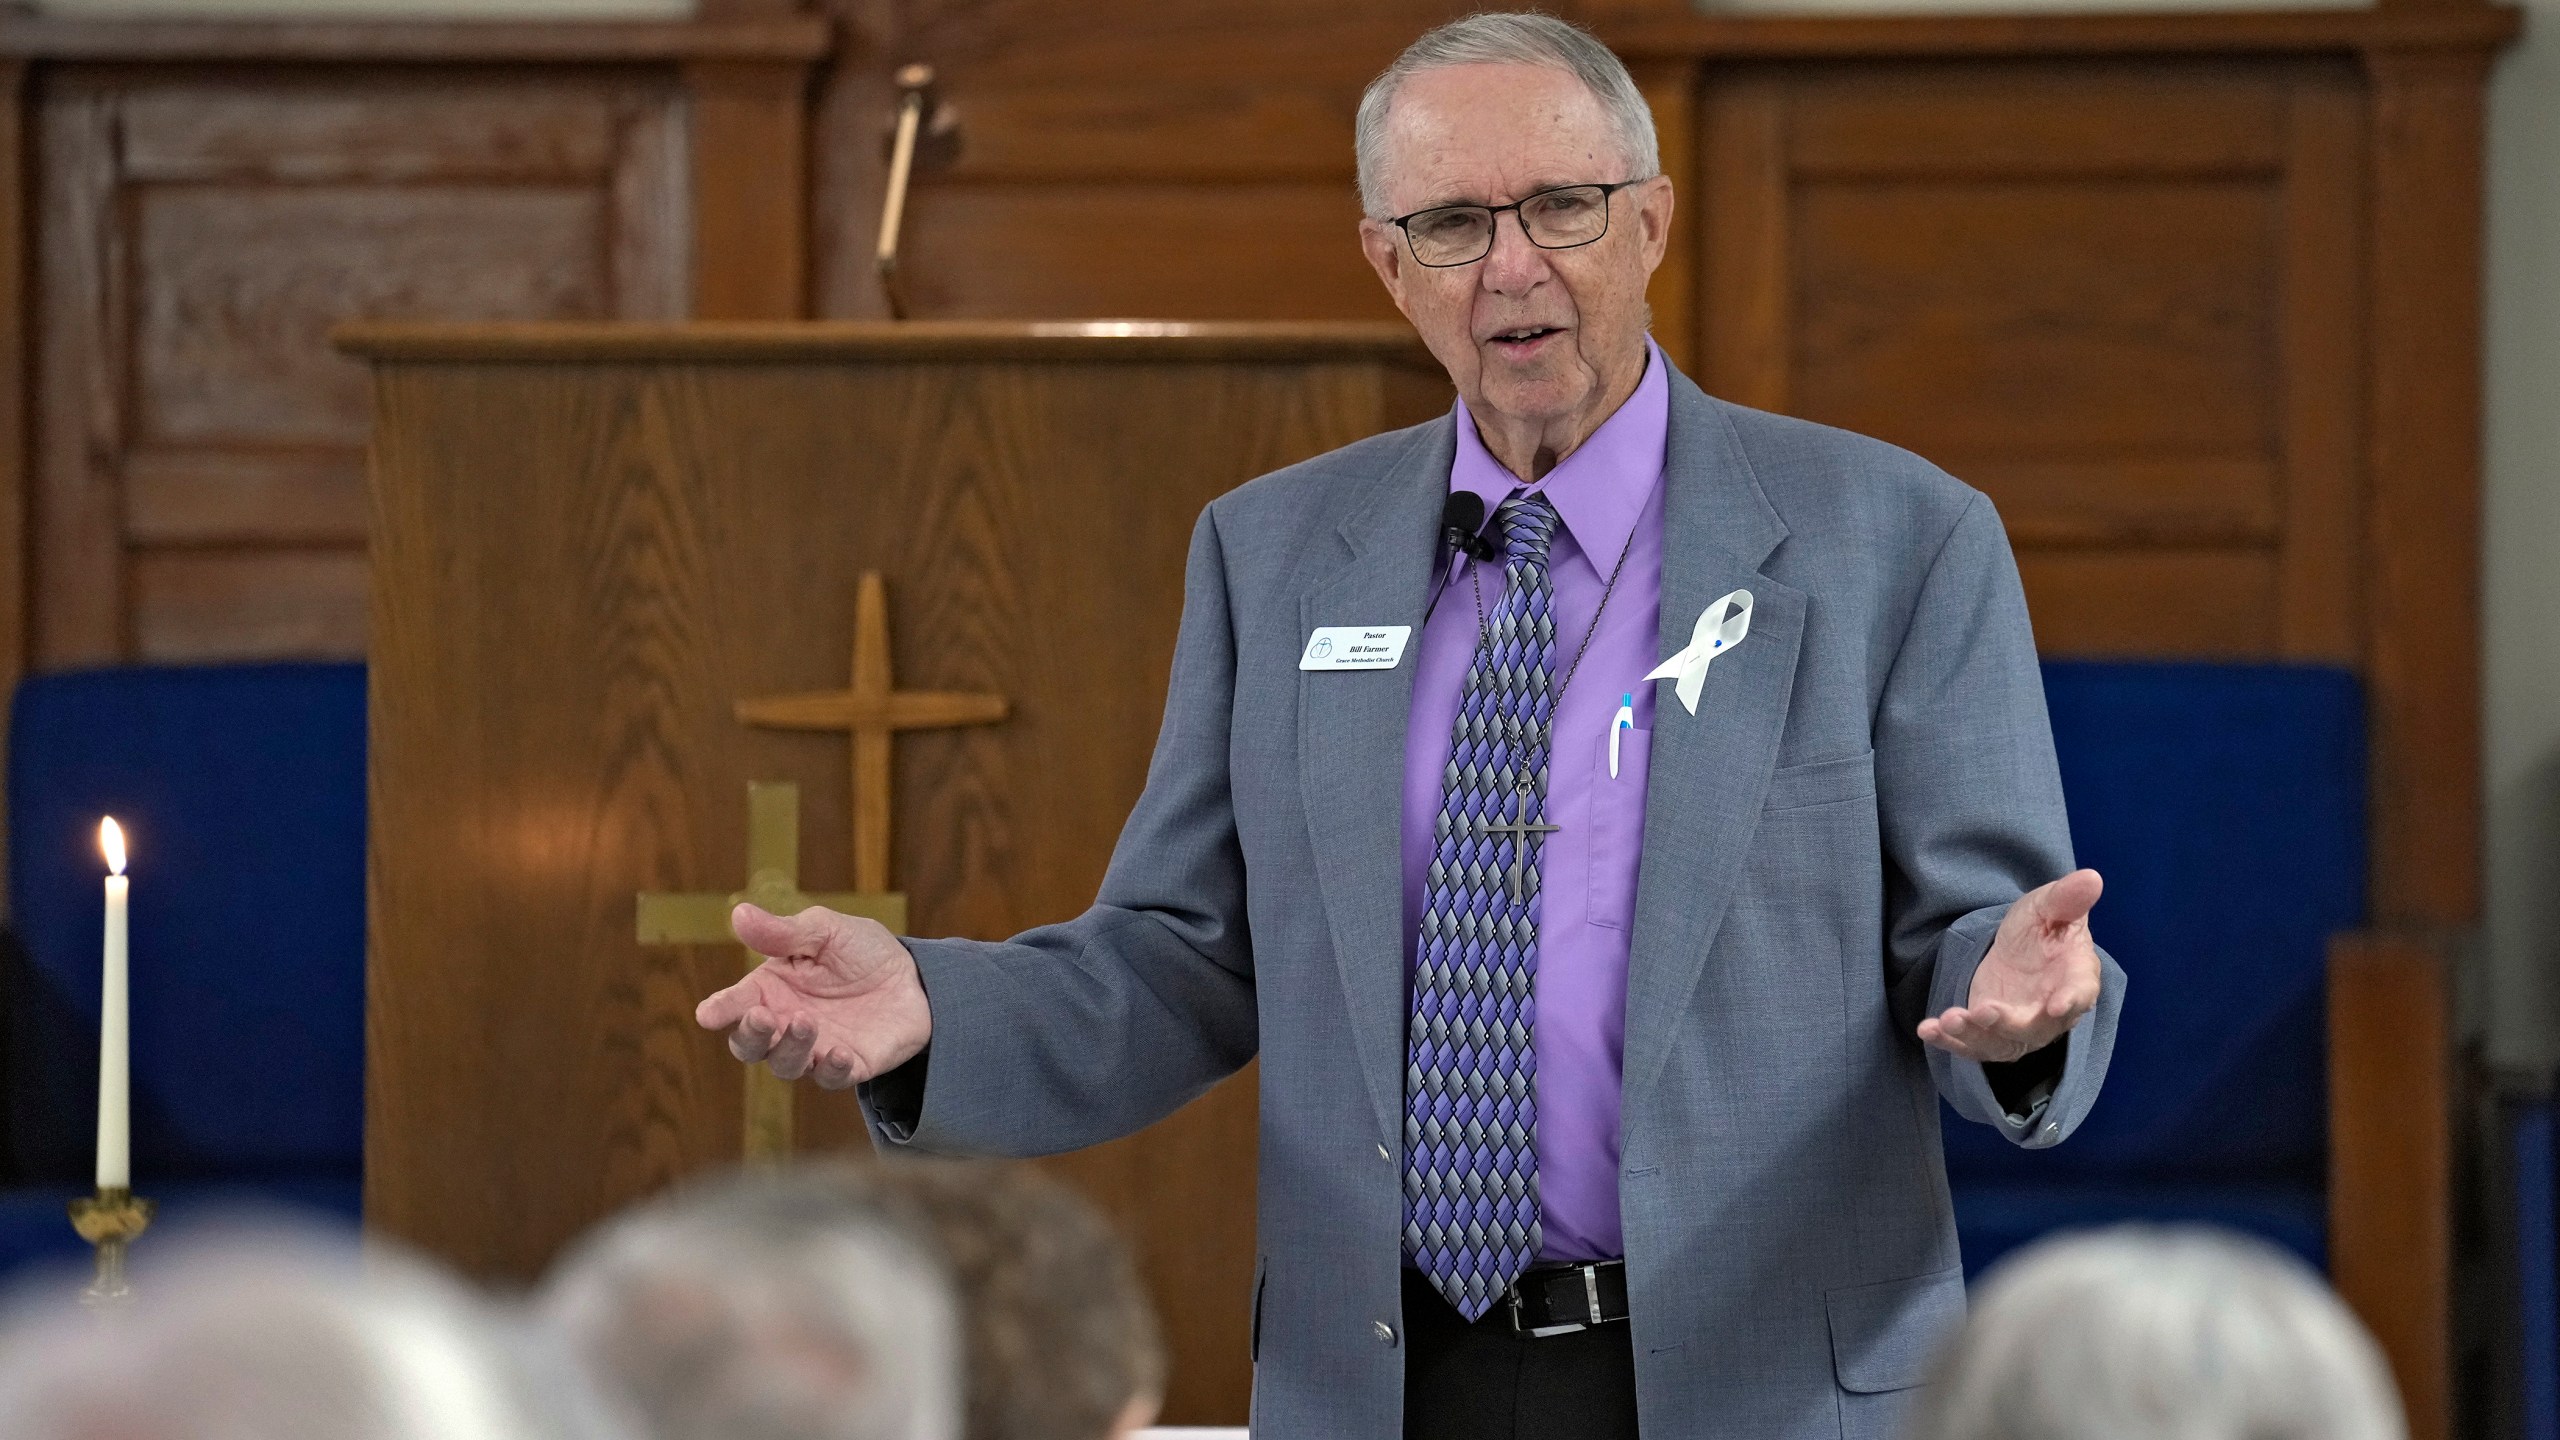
(1482, 1382)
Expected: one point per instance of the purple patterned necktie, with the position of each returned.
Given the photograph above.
(1471, 1109)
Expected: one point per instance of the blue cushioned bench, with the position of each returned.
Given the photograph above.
(243, 791)
(2225, 805)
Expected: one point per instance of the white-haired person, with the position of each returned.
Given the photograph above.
(763, 1306)
(1062, 1342)
(278, 1334)
(2159, 1333)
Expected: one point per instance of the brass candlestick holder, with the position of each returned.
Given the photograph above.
(110, 1220)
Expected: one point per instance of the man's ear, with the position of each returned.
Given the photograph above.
(1653, 220)
(1384, 245)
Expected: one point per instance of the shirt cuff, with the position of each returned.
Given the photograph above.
(2025, 1086)
(896, 1099)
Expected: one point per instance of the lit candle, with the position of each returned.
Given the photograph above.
(115, 1120)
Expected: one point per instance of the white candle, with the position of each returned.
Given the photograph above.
(115, 1119)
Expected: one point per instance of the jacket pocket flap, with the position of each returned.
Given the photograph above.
(1851, 777)
(1886, 1336)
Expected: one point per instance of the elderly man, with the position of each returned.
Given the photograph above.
(1602, 890)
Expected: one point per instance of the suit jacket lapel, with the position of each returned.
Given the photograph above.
(1710, 770)
(1351, 739)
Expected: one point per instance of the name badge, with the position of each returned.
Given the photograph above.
(1355, 647)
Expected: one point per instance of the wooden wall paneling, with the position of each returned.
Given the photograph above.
(1620, 12)
(2391, 1159)
(649, 266)
(2276, 33)
(2065, 281)
(83, 259)
(1671, 89)
(16, 296)
(2037, 119)
(2321, 357)
(855, 96)
(2147, 599)
(2137, 313)
(2423, 664)
(1258, 250)
(1183, 160)
(1747, 284)
(750, 186)
(746, 9)
(201, 483)
(346, 41)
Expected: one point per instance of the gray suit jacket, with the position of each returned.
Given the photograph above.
(1829, 844)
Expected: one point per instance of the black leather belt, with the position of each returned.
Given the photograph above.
(1561, 1299)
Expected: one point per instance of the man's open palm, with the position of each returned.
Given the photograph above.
(837, 998)
(2039, 977)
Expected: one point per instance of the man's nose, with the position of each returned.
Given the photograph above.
(1515, 263)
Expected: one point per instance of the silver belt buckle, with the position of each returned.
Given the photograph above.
(1590, 1295)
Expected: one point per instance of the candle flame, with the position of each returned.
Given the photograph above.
(111, 840)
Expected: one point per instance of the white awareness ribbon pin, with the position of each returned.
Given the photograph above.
(1717, 632)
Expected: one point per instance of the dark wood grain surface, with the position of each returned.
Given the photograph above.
(769, 36)
(2119, 296)
(199, 473)
(580, 567)
(2391, 1157)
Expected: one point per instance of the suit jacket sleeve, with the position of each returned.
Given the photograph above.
(1074, 1034)
(1971, 810)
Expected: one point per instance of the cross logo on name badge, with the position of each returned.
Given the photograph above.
(1519, 830)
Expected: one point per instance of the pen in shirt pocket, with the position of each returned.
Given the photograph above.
(1625, 722)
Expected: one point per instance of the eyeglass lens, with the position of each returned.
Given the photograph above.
(1552, 219)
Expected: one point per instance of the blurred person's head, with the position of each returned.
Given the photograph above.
(272, 1334)
(2147, 1333)
(763, 1306)
(1062, 1340)
(1538, 313)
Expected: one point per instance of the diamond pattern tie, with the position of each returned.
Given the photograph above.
(1471, 1111)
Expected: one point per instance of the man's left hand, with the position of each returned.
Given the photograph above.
(2039, 977)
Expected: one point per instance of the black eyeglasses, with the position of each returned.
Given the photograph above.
(1558, 219)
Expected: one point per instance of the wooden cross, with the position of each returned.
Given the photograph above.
(773, 881)
(1519, 830)
(871, 712)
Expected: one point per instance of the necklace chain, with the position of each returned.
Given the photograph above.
(1475, 576)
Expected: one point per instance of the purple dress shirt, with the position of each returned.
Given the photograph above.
(1608, 494)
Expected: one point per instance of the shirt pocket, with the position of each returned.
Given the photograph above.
(1617, 828)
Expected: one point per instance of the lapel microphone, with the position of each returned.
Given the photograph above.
(1460, 520)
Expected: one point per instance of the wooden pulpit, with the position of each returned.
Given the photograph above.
(615, 567)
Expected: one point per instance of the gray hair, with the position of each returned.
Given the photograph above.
(1061, 1337)
(763, 1306)
(2169, 1333)
(277, 1335)
(1507, 38)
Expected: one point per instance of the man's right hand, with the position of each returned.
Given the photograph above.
(837, 998)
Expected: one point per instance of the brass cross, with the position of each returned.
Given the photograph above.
(871, 712)
(1519, 830)
(773, 881)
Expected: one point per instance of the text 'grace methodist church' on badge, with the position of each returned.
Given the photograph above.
(1355, 647)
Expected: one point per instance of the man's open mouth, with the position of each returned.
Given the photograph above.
(1526, 335)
